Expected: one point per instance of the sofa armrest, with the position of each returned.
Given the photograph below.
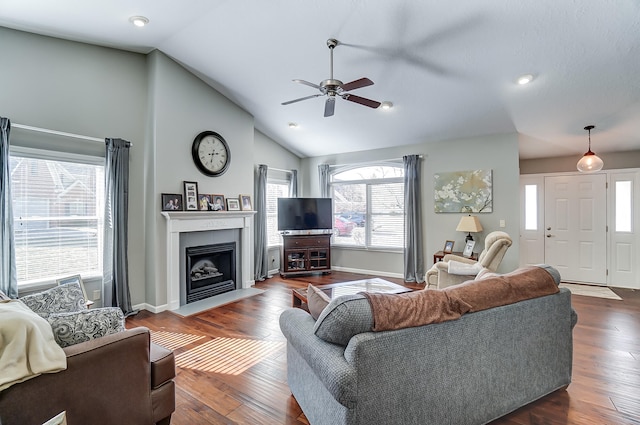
(102, 377)
(326, 359)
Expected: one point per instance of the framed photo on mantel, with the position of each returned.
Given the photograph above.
(191, 196)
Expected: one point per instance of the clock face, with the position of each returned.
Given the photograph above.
(211, 153)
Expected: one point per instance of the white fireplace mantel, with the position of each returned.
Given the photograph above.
(201, 221)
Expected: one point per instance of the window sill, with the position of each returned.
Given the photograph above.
(369, 249)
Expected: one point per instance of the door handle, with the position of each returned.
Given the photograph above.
(548, 228)
(549, 235)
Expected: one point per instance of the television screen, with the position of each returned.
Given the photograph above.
(304, 213)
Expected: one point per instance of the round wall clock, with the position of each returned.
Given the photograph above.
(211, 153)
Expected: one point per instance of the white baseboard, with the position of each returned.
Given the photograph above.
(273, 272)
(151, 308)
(372, 272)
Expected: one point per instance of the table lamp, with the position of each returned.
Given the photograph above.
(469, 224)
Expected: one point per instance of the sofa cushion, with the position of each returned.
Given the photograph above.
(79, 326)
(317, 300)
(59, 299)
(344, 317)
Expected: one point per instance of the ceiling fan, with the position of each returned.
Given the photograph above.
(332, 88)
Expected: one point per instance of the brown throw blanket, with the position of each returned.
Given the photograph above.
(397, 311)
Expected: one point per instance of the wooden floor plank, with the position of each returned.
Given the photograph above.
(606, 374)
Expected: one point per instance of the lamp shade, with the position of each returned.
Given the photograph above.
(590, 162)
(469, 224)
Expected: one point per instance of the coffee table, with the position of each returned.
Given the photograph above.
(333, 290)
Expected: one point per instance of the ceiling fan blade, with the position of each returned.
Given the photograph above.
(302, 98)
(329, 106)
(361, 100)
(306, 83)
(356, 84)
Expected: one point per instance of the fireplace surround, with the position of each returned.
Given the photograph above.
(184, 222)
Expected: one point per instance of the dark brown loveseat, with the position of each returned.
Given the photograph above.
(121, 378)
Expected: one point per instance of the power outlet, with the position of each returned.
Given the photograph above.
(96, 294)
(502, 223)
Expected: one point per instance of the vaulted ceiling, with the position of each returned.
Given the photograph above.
(449, 68)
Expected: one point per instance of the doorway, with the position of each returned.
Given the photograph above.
(584, 225)
(575, 223)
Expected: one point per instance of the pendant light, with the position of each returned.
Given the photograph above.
(590, 162)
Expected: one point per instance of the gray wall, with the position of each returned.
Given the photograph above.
(266, 151)
(81, 89)
(183, 106)
(613, 160)
(498, 153)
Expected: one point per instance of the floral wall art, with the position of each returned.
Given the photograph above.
(463, 192)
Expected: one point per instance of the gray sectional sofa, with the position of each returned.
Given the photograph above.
(466, 371)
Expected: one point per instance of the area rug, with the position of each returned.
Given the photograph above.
(217, 301)
(591, 291)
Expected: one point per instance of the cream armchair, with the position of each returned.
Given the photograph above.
(495, 246)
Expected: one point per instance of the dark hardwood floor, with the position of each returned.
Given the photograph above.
(232, 362)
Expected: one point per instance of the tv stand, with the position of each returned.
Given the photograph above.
(304, 254)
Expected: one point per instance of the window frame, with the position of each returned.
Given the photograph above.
(368, 183)
(62, 156)
(278, 181)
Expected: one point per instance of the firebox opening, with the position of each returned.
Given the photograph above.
(211, 270)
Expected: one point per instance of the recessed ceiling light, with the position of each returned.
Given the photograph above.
(386, 105)
(293, 125)
(139, 21)
(525, 79)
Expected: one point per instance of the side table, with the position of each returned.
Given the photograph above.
(440, 254)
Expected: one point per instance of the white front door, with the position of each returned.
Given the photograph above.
(575, 227)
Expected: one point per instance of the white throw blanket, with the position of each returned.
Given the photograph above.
(465, 269)
(27, 346)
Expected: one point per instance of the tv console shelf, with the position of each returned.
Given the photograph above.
(303, 254)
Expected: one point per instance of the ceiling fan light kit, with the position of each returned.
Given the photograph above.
(332, 87)
(590, 162)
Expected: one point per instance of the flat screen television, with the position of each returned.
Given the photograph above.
(304, 214)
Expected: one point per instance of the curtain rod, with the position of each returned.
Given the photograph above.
(372, 162)
(58, 133)
(278, 169)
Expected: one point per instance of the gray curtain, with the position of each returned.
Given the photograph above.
(8, 276)
(293, 184)
(261, 255)
(413, 252)
(323, 172)
(116, 268)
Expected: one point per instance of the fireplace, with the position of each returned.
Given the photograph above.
(211, 270)
(190, 223)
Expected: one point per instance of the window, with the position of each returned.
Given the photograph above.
(623, 206)
(275, 189)
(57, 205)
(531, 207)
(368, 206)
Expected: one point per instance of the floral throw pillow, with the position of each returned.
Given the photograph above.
(59, 299)
(75, 327)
